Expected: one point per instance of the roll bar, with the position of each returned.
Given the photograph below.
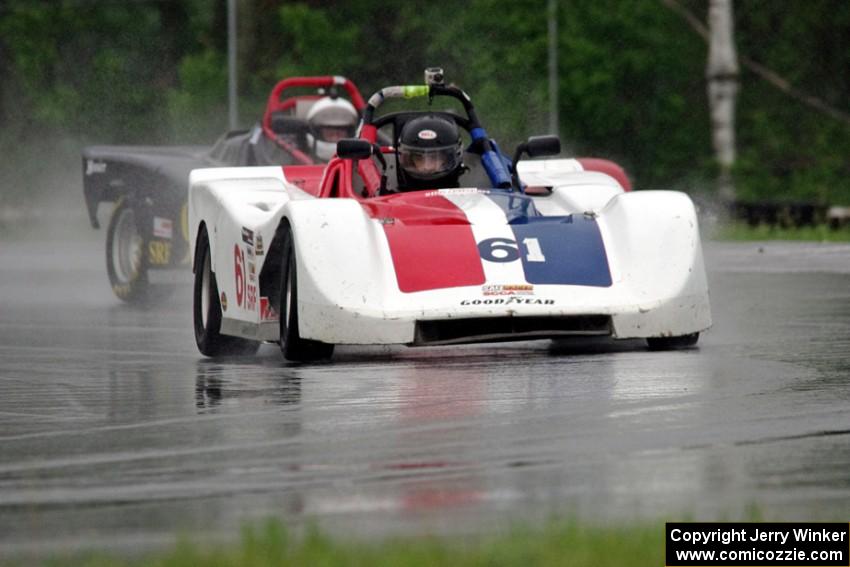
(275, 104)
(491, 159)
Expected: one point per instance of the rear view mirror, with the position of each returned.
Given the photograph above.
(543, 146)
(358, 148)
(536, 146)
(354, 148)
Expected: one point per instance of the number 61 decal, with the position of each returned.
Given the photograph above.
(239, 273)
(507, 250)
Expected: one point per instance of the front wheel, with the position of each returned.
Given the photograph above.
(672, 343)
(207, 309)
(292, 345)
(125, 260)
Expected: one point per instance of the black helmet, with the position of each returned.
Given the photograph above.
(429, 153)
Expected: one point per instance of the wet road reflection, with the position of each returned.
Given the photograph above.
(114, 431)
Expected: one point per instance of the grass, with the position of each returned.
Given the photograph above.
(562, 544)
(816, 233)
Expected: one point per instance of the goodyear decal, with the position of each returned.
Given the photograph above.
(509, 301)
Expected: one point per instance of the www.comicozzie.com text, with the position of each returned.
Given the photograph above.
(755, 534)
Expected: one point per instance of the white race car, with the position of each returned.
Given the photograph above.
(313, 256)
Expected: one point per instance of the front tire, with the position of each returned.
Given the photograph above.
(672, 343)
(292, 345)
(125, 259)
(207, 309)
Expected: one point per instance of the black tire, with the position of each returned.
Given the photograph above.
(672, 343)
(126, 262)
(207, 309)
(292, 345)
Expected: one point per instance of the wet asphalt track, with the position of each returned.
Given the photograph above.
(115, 433)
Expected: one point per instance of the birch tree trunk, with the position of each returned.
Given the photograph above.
(722, 76)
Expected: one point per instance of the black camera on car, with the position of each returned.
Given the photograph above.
(434, 76)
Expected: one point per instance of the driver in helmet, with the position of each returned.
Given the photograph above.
(429, 154)
(330, 119)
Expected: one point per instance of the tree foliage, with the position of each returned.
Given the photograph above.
(787, 151)
(631, 88)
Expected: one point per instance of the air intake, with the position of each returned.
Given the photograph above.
(482, 329)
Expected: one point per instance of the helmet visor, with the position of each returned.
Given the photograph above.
(334, 133)
(429, 163)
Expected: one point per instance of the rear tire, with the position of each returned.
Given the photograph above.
(207, 309)
(292, 345)
(126, 264)
(672, 343)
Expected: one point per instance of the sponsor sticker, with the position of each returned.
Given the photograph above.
(514, 289)
(267, 312)
(159, 253)
(163, 228)
(427, 135)
(252, 271)
(251, 296)
(511, 300)
(93, 167)
(248, 236)
(259, 251)
(462, 191)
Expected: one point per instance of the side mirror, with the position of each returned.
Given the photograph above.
(284, 124)
(536, 146)
(357, 148)
(543, 146)
(354, 148)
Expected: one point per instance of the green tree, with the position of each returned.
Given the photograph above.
(789, 152)
(632, 85)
